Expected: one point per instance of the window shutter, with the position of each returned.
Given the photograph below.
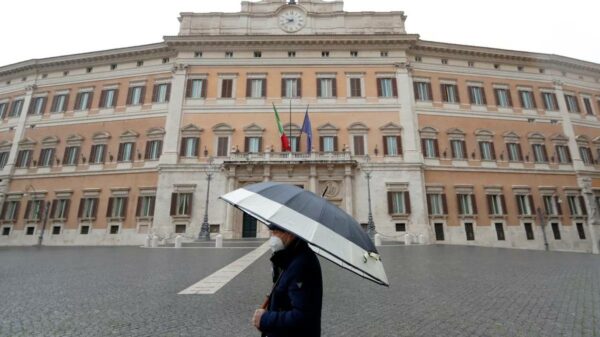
(554, 100)
(78, 101)
(399, 144)
(416, 91)
(152, 202)
(533, 100)
(120, 153)
(115, 97)
(545, 153)
(508, 94)
(124, 209)
(321, 144)
(444, 204)
(54, 104)
(406, 202)
(248, 87)
(474, 203)
(452, 148)
(483, 95)
(379, 87)
(429, 196)
(95, 207)
(319, 88)
(489, 204)
(260, 144)
(92, 153)
(247, 144)
(3, 210)
(531, 204)
(470, 89)
(204, 86)
(436, 148)
(497, 96)
(394, 87)
(67, 205)
(129, 95)
(582, 203)
(429, 92)
(27, 209)
(147, 150)
(299, 86)
(493, 150)
(17, 207)
(519, 152)
(138, 207)
(159, 148)
(568, 154)
(519, 206)
(155, 93)
(197, 148)
(109, 207)
(53, 209)
(521, 101)
(188, 89)
(143, 95)
(503, 203)
(264, 88)
(390, 203)
(334, 87)
(558, 207)
(459, 204)
(89, 102)
(190, 204)
(464, 148)
(423, 146)
(335, 143)
(283, 87)
(385, 147)
(443, 88)
(31, 105)
(182, 147)
(173, 203)
(102, 99)
(80, 210)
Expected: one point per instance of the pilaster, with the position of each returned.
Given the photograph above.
(174, 117)
(568, 126)
(408, 116)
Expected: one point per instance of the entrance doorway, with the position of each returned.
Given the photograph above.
(248, 226)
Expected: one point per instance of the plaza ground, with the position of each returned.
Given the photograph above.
(435, 291)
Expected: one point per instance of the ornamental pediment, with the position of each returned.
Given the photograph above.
(253, 128)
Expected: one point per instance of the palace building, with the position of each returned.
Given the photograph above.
(462, 144)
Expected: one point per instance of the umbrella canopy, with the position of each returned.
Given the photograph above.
(330, 231)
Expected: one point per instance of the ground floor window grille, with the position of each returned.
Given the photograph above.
(500, 231)
(528, 230)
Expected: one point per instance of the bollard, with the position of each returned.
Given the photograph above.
(219, 241)
(407, 239)
(147, 241)
(154, 242)
(377, 239)
(178, 240)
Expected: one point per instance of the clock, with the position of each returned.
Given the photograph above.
(291, 20)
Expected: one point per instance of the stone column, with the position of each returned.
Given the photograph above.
(411, 144)
(348, 195)
(175, 116)
(19, 131)
(228, 225)
(568, 126)
(267, 173)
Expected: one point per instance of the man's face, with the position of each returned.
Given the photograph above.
(285, 237)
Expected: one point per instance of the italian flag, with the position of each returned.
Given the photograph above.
(285, 142)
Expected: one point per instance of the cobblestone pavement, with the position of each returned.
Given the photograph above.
(435, 291)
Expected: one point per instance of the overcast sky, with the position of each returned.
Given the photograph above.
(43, 28)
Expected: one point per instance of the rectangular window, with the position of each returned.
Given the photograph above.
(30, 230)
(223, 146)
(135, 95)
(466, 204)
(97, 154)
(563, 155)
(227, 88)
(430, 148)
(392, 146)
(458, 148)
(256, 88)
(326, 88)
(71, 155)
(551, 205)
(580, 231)
(294, 144)
(24, 158)
(528, 230)
(181, 204)
(469, 231)
(33, 210)
(38, 106)
(355, 87)
(555, 230)
(500, 231)
(10, 210)
(153, 149)
(291, 87)
(253, 144)
(85, 230)
(5, 231)
(439, 231)
(436, 204)
(328, 143)
(114, 229)
(398, 203)
(83, 100)
(60, 209)
(527, 100)
(487, 151)
(422, 91)
(496, 204)
(550, 102)
(189, 146)
(88, 208)
(161, 93)
(477, 95)
(180, 229)
(145, 206)
(46, 158)
(586, 155)
(3, 159)
(16, 108)
(503, 98)
(588, 106)
(59, 103)
(117, 207)
(108, 98)
(514, 152)
(572, 103)
(539, 153)
(125, 153)
(387, 87)
(450, 93)
(359, 145)
(3, 108)
(196, 88)
(400, 227)
(525, 204)
(576, 205)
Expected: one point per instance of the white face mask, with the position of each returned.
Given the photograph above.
(276, 244)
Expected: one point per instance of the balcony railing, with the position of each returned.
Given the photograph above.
(289, 156)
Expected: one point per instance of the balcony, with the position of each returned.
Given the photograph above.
(290, 157)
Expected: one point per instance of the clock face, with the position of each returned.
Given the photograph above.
(291, 20)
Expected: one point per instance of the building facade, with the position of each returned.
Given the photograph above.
(463, 144)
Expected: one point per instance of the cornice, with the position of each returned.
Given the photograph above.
(505, 55)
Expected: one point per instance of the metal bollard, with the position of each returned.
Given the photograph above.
(377, 239)
(154, 242)
(147, 241)
(407, 239)
(178, 240)
(219, 241)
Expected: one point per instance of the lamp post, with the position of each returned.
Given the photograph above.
(43, 208)
(542, 219)
(205, 227)
(594, 217)
(370, 224)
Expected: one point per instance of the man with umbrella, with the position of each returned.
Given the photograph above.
(294, 306)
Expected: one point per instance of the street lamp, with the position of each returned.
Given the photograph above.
(44, 208)
(367, 170)
(542, 219)
(205, 227)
